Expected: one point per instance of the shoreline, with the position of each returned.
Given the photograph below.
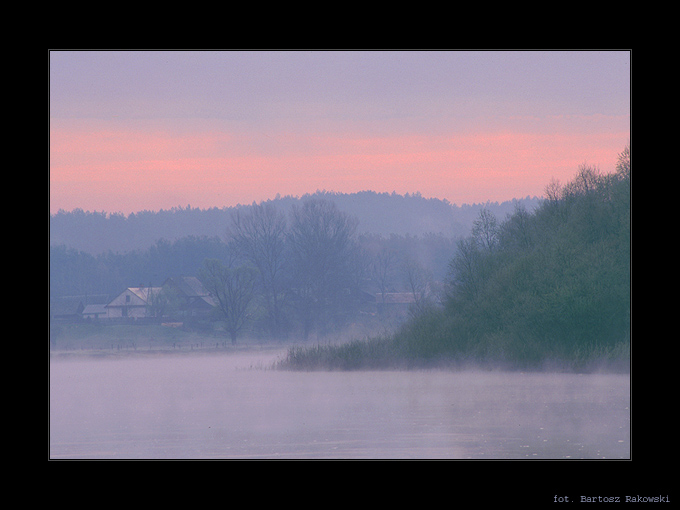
(162, 351)
(279, 353)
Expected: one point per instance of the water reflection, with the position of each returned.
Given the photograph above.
(226, 407)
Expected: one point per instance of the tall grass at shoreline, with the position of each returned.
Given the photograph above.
(396, 353)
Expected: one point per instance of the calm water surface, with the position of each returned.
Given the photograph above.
(227, 406)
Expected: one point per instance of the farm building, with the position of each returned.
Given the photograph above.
(192, 297)
(134, 302)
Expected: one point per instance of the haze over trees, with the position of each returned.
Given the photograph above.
(323, 254)
(310, 267)
(552, 286)
(275, 239)
(382, 214)
(259, 237)
(233, 290)
(524, 281)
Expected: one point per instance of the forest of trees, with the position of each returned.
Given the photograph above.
(98, 232)
(530, 282)
(271, 274)
(394, 243)
(552, 286)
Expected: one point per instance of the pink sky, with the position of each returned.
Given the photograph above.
(107, 156)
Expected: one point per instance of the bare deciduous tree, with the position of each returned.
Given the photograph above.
(233, 288)
(322, 244)
(485, 229)
(382, 269)
(259, 236)
(417, 280)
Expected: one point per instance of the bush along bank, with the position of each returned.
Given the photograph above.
(542, 290)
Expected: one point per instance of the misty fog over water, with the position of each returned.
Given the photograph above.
(233, 406)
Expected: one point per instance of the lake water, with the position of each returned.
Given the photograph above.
(228, 406)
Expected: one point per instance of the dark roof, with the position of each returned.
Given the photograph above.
(190, 286)
(69, 305)
(202, 303)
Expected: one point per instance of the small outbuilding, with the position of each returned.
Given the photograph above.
(95, 311)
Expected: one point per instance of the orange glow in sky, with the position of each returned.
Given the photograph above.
(106, 155)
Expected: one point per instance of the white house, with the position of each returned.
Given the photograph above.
(133, 302)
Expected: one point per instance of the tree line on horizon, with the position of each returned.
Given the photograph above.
(379, 214)
(551, 279)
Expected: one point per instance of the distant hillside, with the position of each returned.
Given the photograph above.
(378, 213)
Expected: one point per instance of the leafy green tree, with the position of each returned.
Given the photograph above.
(552, 283)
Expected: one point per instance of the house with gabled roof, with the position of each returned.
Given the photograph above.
(134, 302)
(192, 296)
